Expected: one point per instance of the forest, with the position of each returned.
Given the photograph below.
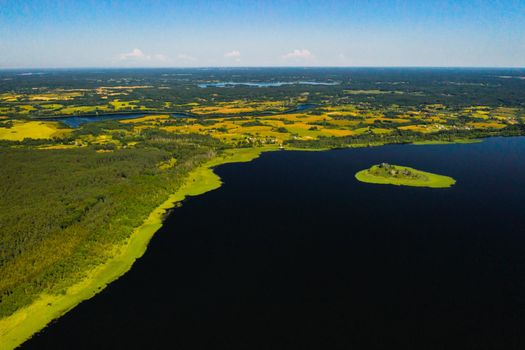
(61, 211)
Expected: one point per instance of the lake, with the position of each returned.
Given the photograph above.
(231, 84)
(76, 121)
(293, 252)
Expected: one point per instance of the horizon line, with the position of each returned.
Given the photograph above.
(254, 67)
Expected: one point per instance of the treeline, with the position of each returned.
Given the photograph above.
(62, 210)
(402, 136)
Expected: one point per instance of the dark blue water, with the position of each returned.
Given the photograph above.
(76, 121)
(293, 252)
(231, 84)
(302, 107)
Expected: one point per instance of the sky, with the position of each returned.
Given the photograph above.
(195, 33)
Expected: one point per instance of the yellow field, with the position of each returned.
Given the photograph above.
(52, 106)
(424, 128)
(57, 96)
(118, 105)
(328, 121)
(488, 125)
(381, 131)
(236, 107)
(59, 147)
(260, 130)
(99, 140)
(26, 108)
(222, 110)
(84, 109)
(170, 163)
(32, 130)
(10, 97)
(148, 118)
(232, 128)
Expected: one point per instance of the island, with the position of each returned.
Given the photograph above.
(388, 174)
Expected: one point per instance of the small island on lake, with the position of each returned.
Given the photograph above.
(388, 174)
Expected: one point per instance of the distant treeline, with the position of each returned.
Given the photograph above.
(401, 136)
(398, 86)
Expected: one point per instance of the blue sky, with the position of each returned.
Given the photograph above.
(182, 33)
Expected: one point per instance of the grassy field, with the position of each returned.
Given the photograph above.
(335, 121)
(463, 141)
(239, 106)
(83, 109)
(417, 178)
(31, 130)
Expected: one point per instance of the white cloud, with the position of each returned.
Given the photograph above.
(297, 54)
(185, 57)
(235, 55)
(137, 55)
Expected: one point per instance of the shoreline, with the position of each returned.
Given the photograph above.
(429, 180)
(27, 321)
(19, 327)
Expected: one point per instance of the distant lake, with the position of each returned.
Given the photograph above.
(76, 121)
(292, 252)
(263, 84)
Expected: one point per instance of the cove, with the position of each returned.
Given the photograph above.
(293, 252)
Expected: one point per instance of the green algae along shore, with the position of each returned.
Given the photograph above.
(21, 325)
(388, 174)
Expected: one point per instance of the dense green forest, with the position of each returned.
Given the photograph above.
(62, 210)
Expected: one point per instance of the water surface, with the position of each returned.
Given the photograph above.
(224, 84)
(293, 252)
(77, 121)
